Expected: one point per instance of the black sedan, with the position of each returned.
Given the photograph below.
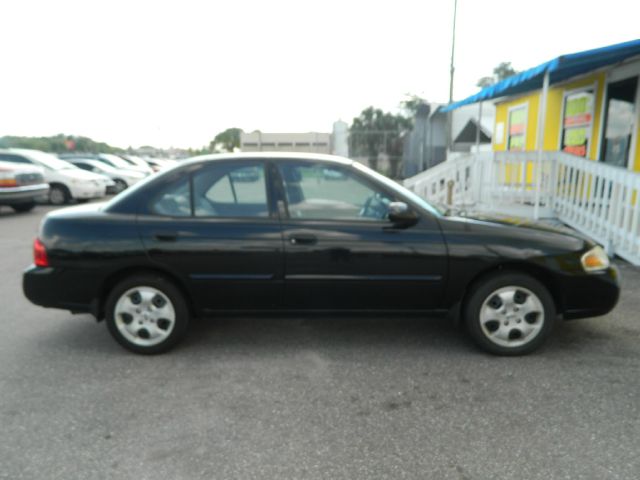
(275, 232)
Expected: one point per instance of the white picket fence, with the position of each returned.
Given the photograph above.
(599, 200)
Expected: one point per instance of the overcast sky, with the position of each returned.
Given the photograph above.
(176, 73)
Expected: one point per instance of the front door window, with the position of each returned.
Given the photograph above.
(328, 192)
(620, 121)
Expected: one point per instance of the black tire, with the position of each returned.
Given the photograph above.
(512, 318)
(120, 185)
(23, 207)
(116, 325)
(59, 195)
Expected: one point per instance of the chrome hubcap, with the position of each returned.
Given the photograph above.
(144, 316)
(56, 196)
(511, 316)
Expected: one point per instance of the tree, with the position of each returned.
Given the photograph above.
(500, 72)
(374, 132)
(412, 104)
(59, 144)
(227, 140)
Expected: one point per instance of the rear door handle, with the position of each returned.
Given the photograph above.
(166, 236)
(303, 239)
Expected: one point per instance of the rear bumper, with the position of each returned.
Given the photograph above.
(590, 295)
(27, 193)
(60, 288)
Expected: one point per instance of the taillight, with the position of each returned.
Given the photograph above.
(40, 254)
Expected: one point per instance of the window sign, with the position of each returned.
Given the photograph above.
(576, 124)
(517, 128)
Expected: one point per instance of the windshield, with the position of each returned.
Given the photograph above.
(115, 160)
(103, 167)
(51, 161)
(395, 186)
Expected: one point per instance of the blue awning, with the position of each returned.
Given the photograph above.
(560, 69)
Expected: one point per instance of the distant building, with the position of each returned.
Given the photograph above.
(426, 145)
(311, 142)
(340, 139)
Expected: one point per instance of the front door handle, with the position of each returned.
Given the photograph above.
(303, 239)
(166, 236)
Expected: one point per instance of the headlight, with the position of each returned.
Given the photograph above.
(595, 260)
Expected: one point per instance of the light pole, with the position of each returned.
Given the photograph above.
(451, 72)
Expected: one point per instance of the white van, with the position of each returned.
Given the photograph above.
(66, 181)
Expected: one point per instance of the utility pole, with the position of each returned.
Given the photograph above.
(451, 72)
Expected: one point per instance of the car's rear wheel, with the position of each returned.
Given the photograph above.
(23, 207)
(59, 195)
(509, 314)
(146, 314)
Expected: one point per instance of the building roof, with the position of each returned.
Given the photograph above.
(560, 69)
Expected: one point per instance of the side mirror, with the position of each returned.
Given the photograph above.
(400, 214)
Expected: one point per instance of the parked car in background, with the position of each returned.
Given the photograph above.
(66, 181)
(158, 164)
(121, 179)
(200, 240)
(138, 163)
(110, 159)
(21, 186)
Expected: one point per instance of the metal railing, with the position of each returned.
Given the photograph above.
(599, 200)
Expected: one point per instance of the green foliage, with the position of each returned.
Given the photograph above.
(500, 72)
(374, 132)
(59, 144)
(412, 103)
(227, 140)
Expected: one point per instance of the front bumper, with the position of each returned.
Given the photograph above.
(590, 295)
(87, 191)
(23, 194)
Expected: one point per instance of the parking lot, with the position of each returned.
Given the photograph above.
(330, 398)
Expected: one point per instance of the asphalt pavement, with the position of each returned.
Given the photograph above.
(310, 398)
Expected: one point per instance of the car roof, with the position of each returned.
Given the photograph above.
(314, 157)
(19, 167)
(23, 151)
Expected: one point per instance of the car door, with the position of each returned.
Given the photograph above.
(217, 229)
(342, 252)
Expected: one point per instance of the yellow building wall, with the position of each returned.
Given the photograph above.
(636, 163)
(553, 116)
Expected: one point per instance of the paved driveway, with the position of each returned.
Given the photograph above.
(332, 398)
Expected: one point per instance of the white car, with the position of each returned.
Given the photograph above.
(121, 178)
(21, 186)
(66, 181)
(110, 159)
(139, 164)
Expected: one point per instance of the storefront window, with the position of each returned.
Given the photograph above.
(576, 124)
(517, 128)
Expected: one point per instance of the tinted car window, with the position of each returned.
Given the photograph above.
(230, 190)
(174, 199)
(321, 191)
(7, 157)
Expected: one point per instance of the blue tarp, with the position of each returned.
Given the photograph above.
(561, 68)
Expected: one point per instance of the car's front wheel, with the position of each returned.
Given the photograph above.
(509, 314)
(120, 185)
(59, 195)
(146, 314)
